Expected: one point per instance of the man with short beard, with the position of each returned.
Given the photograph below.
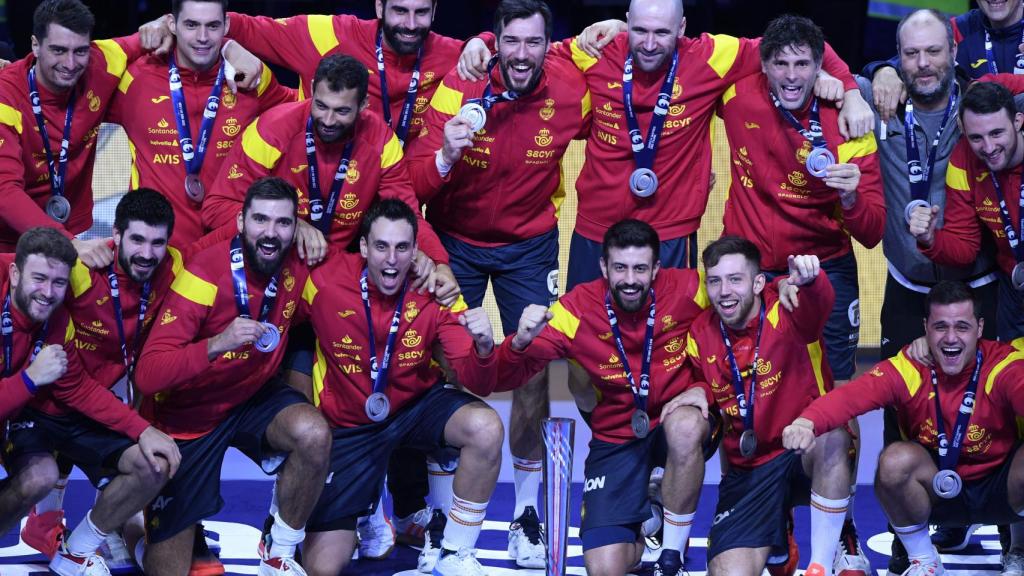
(651, 412)
(494, 201)
(78, 416)
(209, 375)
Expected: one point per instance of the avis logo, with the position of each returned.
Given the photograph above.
(593, 484)
(161, 503)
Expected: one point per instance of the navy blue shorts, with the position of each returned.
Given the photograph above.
(298, 356)
(585, 257)
(753, 504)
(985, 501)
(194, 492)
(91, 446)
(359, 456)
(522, 273)
(842, 331)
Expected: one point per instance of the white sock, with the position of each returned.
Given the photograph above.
(86, 537)
(677, 530)
(465, 519)
(528, 474)
(284, 538)
(849, 508)
(54, 500)
(827, 516)
(441, 487)
(916, 541)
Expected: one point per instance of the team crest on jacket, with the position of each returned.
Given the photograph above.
(94, 101)
(228, 98)
(676, 88)
(674, 345)
(352, 174)
(543, 138)
(548, 111)
(797, 178)
(668, 323)
(289, 279)
(803, 152)
(411, 312)
(231, 127)
(676, 109)
(411, 339)
(421, 105)
(349, 201)
(428, 77)
(764, 367)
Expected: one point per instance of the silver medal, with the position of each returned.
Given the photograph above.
(475, 114)
(643, 182)
(910, 208)
(1017, 277)
(818, 160)
(748, 443)
(194, 188)
(640, 423)
(947, 484)
(58, 208)
(377, 407)
(268, 341)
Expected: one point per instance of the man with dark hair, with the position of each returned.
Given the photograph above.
(78, 416)
(61, 91)
(182, 113)
(960, 462)
(380, 392)
(628, 331)
(209, 375)
(765, 364)
(494, 201)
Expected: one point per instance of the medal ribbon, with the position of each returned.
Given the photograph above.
(813, 132)
(59, 168)
(921, 177)
(115, 299)
(7, 328)
(242, 289)
(746, 406)
(644, 151)
(193, 154)
(1012, 236)
(402, 130)
(322, 216)
(991, 57)
(639, 392)
(379, 374)
(949, 450)
(489, 99)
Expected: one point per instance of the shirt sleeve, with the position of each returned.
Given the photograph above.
(14, 395)
(245, 164)
(394, 183)
(477, 374)
(874, 389)
(285, 42)
(270, 92)
(20, 211)
(865, 220)
(426, 181)
(958, 241)
(515, 368)
(816, 302)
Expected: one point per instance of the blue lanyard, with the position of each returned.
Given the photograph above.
(379, 374)
(645, 150)
(322, 216)
(921, 176)
(242, 289)
(7, 328)
(949, 450)
(639, 392)
(813, 132)
(402, 130)
(59, 168)
(191, 153)
(489, 99)
(746, 406)
(1012, 236)
(991, 58)
(115, 300)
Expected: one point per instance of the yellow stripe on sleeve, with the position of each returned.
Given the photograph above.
(126, 82)
(265, 77)
(724, 54)
(69, 331)
(459, 305)
(194, 288)
(701, 297)
(392, 153)
(857, 148)
(309, 291)
(321, 32)
(11, 117)
(692, 350)
(258, 149)
(586, 105)
(814, 352)
(911, 377)
(729, 94)
(581, 59)
(564, 321)
(177, 262)
(117, 59)
(319, 373)
(956, 178)
(990, 382)
(81, 279)
(446, 100)
(773, 315)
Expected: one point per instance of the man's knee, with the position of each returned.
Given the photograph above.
(481, 428)
(685, 429)
(36, 478)
(835, 447)
(310, 435)
(150, 478)
(898, 462)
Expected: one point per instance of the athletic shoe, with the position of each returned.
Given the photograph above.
(525, 540)
(410, 530)
(44, 531)
(461, 563)
(376, 536)
(115, 554)
(850, 559)
(204, 560)
(898, 561)
(65, 563)
(953, 538)
(669, 564)
(785, 564)
(279, 566)
(815, 569)
(930, 568)
(432, 542)
(1013, 563)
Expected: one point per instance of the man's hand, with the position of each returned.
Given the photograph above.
(242, 69)
(788, 295)
(803, 269)
(458, 137)
(422, 272)
(844, 178)
(156, 36)
(472, 64)
(799, 436)
(240, 332)
(95, 253)
(4, 63)
(922, 224)
(692, 397)
(444, 286)
(310, 242)
(50, 364)
(889, 91)
(478, 324)
(855, 116)
(919, 351)
(534, 318)
(828, 87)
(598, 35)
(153, 443)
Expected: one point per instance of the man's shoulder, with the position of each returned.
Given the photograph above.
(439, 47)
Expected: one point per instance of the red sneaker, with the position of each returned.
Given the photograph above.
(44, 531)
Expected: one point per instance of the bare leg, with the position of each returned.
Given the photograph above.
(613, 559)
(903, 483)
(129, 491)
(36, 476)
(172, 557)
(302, 432)
(476, 429)
(739, 562)
(328, 553)
(685, 431)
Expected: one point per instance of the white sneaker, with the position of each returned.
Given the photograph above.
(930, 568)
(850, 559)
(526, 541)
(461, 563)
(65, 563)
(115, 554)
(279, 566)
(376, 536)
(432, 542)
(1013, 563)
(410, 530)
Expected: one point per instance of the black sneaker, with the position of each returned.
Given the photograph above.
(898, 561)
(432, 542)
(526, 540)
(669, 564)
(953, 538)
